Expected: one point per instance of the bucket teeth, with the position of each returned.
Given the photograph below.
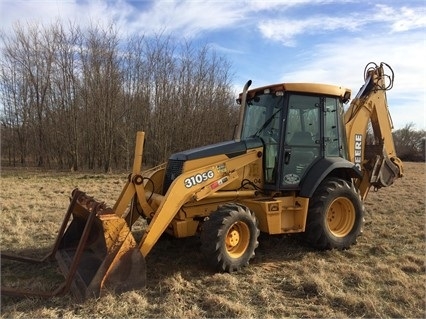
(90, 204)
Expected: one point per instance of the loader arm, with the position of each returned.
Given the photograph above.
(378, 162)
(181, 192)
(133, 186)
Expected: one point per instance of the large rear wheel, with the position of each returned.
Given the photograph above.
(229, 237)
(336, 215)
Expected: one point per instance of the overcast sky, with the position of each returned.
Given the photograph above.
(273, 41)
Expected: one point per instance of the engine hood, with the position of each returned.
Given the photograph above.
(229, 148)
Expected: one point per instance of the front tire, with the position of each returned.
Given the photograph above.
(229, 237)
(335, 217)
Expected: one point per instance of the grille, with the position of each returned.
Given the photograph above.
(173, 170)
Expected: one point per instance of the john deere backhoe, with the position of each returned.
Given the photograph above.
(299, 163)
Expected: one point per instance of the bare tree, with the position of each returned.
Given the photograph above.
(100, 90)
(410, 143)
(28, 57)
(75, 98)
(66, 114)
(135, 101)
(14, 119)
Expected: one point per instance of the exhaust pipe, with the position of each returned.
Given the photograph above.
(242, 109)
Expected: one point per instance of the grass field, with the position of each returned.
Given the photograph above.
(382, 276)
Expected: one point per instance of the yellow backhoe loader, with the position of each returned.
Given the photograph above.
(298, 163)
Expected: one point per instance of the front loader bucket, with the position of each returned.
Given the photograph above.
(110, 258)
(96, 253)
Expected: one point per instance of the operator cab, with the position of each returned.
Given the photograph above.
(299, 123)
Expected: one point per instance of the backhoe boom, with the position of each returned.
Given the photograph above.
(376, 158)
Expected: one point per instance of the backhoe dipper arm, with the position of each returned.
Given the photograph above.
(378, 163)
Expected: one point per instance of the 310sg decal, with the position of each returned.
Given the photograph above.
(198, 179)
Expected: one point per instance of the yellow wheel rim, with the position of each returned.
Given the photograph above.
(237, 239)
(341, 217)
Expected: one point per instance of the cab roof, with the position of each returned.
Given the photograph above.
(314, 88)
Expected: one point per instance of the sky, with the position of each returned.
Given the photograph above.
(273, 41)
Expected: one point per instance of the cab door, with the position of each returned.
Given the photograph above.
(302, 138)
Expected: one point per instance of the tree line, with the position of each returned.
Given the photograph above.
(74, 98)
(410, 144)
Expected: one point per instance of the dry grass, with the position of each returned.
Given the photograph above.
(382, 276)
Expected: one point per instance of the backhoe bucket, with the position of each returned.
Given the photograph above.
(96, 253)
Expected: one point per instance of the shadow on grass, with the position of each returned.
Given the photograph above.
(37, 276)
(170, 256)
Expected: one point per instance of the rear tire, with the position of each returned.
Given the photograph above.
(335, 217)
(229, 237)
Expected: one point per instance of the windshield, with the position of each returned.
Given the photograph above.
(262, 116)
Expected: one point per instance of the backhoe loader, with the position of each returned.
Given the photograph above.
(298, 163)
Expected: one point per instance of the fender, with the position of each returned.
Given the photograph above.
(324, 167)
